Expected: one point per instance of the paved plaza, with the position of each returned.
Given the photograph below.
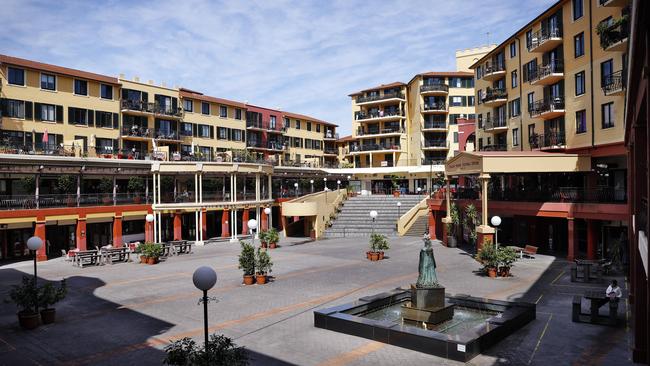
(124, 314)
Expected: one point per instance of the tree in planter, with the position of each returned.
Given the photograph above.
(220, 351)
(377, 242)
(394, 182)
(488, 256)
(66, 184)
(29, 184)
(106, 187)
(25, 296)
(470, 222)
(272, 237)
(263, 236)
(263, 265)
(506, 257)
(247, 261)
(135, 186)
(49, 295)
(453, 225)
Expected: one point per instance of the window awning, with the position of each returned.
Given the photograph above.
(487, 162)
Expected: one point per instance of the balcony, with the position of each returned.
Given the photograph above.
(545, 40)
(495, 124)
(431, 161)
(356, 149)
(389, 115)
(377, 99)
(167, 135)
(614, 34)
(380, 132)
(435, 145)
(261, 145)
(434, 126)
(558, 194)
(615, 83)
(140, 107)
(550, 140)
(330, 151)
(494, 147)
(434, 89)
(613, 3)
(329, 135)
(266, 126)
(30, 202)
(494, 97)
(547, 108)
(548, 74)
(136, 133)
(494, 71)
(440, 107)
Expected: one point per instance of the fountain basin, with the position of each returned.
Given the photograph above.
(477, 323)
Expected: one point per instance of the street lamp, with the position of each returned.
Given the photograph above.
(496, 221)
(338, 184)
(35, 243)
(399, 206)
(419, 190)
(267, 211)
(252, 225)
(373, 215)
(149, 218)
(204, 279)
(295, 185)
(311, 181)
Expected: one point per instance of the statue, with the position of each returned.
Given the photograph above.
(427, 277)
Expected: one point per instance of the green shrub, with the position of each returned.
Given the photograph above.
(247, 258)
(49, 295)
(24, 295)
(66, 184)
(378, 242)
(135, 185)
(263, 263)
(220, 351)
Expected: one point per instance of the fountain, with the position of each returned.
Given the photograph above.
(425, 319)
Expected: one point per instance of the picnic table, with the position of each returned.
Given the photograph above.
(586, 270)
(181, 246)
(121, 254)
(596, 300)
(86, 257)
(167, 249)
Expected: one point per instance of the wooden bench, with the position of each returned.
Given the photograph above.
(85, 257)
(184, 247)
(530, 251)
(116, 254)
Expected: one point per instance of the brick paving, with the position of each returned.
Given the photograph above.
(125, 313)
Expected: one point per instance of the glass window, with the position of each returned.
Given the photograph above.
(237, 113)
(237, 135)
(318, 127)
(531, 100)
(608, 114)
(606, 69)
(515, 137)
(223, 133)
(16, 76)
(48, 112)
(581, 121)
(308, 126)
(48, 82)
(104, 119)
(470, 100)
(529, 39)
(15, 108)
(80, 87)
(205, 108)
(580, 83)
(579, 45)
(513, 78)
(456, 137)
(79, 116)
(188, 105)
(578, 10)
(186, 129)
(223, 111)
(515, 108)
(297, 124)
(513, 49)
(531, 132)
(106, 91)
(204, 131)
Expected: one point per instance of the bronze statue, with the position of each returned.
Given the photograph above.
(427, 277)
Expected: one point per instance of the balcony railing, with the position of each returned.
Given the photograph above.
(135, 131)
(330, 135)
(492, 67)
(541, 36)
(494, 147)
(615, 82)
(330, 151)
(561, 194)
(374, 147)
(434, 88)
(494, 94)
(373, 98)
(546, 105)
(435, 124)
(381, 114)
(166, 135)
(614, 31)
(273, 145)
(431, 161)
(549, 139)
(436, 143)
(440, 106)
(266, 125)
(553, 67)
(25, 202)
(138, 105)
(494, 122)
(377, 131)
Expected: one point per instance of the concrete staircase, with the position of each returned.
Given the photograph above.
(354, 218)
(419, 226)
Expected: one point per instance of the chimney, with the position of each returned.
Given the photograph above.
(121, 76)
(150, 82)
(136, 79)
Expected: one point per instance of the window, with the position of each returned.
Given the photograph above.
(515, 108)
(15, 108)
(106, 91)
(223, 111)
(531, 101)
(48, 82)
(581, 121)
(297, 124)
(607, 110)
(203, 131)
(77, 116)
(186, 129)
(531, 132)
(579, 45)
(453, 119)
(48, 112)
(479, 93)
(530, 70)
(606, 69)
(205, 108)
(188, 105)
(513, 49)
(318, 127)
(308, 126)
(237, 135)
(515, 137)
(513, 78)
(457, 101)
(529, 39)
(80, 87)
(580, 83)
(297, 142)
(479, 72)
(456, 137)
(16, 76)
(104, 119)
(578, 11)
(104, 145)
(237, 113)
(470, 100)
(223, 133)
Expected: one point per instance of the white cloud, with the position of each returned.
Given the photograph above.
(302, 56)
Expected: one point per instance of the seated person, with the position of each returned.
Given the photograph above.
(614, 292)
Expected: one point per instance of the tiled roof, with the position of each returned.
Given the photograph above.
(190, 94)
(382, 86)
(57, 69)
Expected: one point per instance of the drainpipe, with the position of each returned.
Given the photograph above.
(591, 73)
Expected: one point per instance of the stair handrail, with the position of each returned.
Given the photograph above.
(407, 220)
(328, 203)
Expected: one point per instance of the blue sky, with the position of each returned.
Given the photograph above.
(299, 56)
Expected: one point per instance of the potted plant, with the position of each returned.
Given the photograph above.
(247, 262)
(263, 265)
(25, 297)
(382, 245)
(135, 186)
(395, 184)
(377, 242)
(506, 256)
(220, 351)
(49, 295)
(263, 238)
(487, 255)
(29, 184)
(106, 187)
(154, 251)
(470, 222)
(66, 184)
(451, 226)
(272, 238)
(142, 249)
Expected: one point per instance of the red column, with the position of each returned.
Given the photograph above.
(117, 231)
(264, 220)
(244, 222)
(225, 224)
(571, 254)
(148, 231)
(178, 232)
(444, 235)
(592, 237)
(432, 225)
(81, 233)
(282, 222)
(39, 230)
(482, 238)
(204, 224)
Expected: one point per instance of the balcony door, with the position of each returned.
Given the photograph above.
(606, 69)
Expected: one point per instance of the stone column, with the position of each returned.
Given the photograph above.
(264, 221)
(39, 231)
(80, 233)
(484, 232)
(178, 226)
(204, 224)
(244, 224)
(571, 242)
(592, 238)
(117, 230)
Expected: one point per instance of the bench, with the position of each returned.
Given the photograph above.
(85, 257)
(183, 247)
(116, 254)
(530, 251)
(576, 309)
(596, 300)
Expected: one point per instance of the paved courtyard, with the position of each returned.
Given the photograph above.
(124, 314)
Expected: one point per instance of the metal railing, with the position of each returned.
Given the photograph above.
(492, 67)
(26, 202)
(494, 147)
(149, 107)
(266, 125)
(553, 67)
(440, 106)
(541, 36)
(436, 143)
(136, 131)
(381, 114)
(374, 147)
(329, 135)
(273, 145)
(373, 98)
(613, 33)
(546, 105)
(614, 82)
(494, 122)
(547, 140)
(560, 194)
(435, 124)
(167, 135)
(376, 131)
(492, 94)
(434, 87)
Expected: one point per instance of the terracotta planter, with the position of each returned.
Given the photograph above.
(263, 244)
(152, 260)
(368, 255)
(395, 193)
(249, 280)
(143, 259)
(504, 272)
(273, 245)
(48, 316)
(28, 320)
(492, 272)
(381, 255)
(374, 256)
(260, 279)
